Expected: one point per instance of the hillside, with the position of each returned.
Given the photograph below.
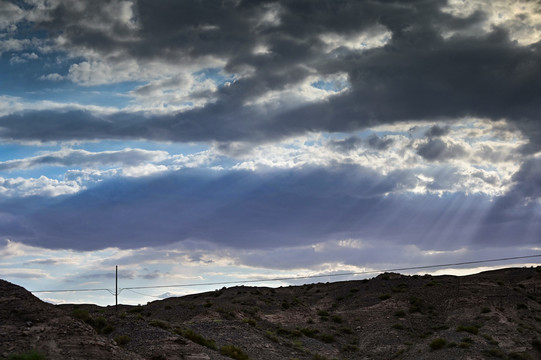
(494, 314)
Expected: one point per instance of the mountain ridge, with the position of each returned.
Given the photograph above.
(490, 315)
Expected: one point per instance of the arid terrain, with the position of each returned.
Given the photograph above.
(491, 315)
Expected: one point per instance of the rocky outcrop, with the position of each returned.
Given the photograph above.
(27, 323)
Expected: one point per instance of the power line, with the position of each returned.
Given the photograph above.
(136, 292)
(291, 278)
(70, 290)
(334, 275)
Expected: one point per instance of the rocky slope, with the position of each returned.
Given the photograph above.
(492, 315)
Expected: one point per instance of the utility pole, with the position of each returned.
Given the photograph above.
(116, 290)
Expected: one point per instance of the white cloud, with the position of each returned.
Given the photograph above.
(143, 170)
(52, 77)
(374, 37)
(76, 157)
(314, 88)
(42, 186)
(520, 18)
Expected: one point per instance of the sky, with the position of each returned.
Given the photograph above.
(204, 141)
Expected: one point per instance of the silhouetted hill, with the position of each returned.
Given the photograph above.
(490, 315)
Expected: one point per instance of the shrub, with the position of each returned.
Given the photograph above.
(384, 296)
(29, 355)
(519, 356)
(309, 332)
(233, 352)
(402, 287)
(198, 339)
(522, 307)
(160, 324)
(350, 348)
(326, 338)
(272, 336)
(485, 310)
(108, 329)
(122, 340)
(474, 329)
(322, 313)
(337, 319)
(250, 322)
(495, 353)
(416, 305)
(82, 315)
(398, 326)
(438, 344)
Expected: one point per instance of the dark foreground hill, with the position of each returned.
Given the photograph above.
(491, 315)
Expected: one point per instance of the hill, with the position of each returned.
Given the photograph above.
(491, 315)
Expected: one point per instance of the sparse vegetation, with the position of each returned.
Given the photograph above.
(519, 356)
(326, 338)
(486, 325)
(122, 340)
(249, 321)
(159, 323)
(196, 338)
(497, 353)
(309, 332)
(233, 352)
(472, 329)
(438, 344)
(29, 355)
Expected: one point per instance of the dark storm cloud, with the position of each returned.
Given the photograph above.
(437, 131)
(417, 75)
(261, 211)
(439, 150)
(353, 142)
(379, 143)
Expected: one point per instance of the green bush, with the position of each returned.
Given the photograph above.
(29, 355)
(384, 296)
(108, 329)
(158, 323)
(196, 338)
(250, 322)
(326, 338)
(122, 340)
(495, 353)
(398, 326)
(309, 332)
(519, 356)
(233, 352)
(82, 315)
(473, 329)
(438, 344)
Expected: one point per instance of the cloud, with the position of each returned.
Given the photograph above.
(437, 149)
(73, 157)
(419, 71)
(241, 209)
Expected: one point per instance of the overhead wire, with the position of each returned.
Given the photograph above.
(131, 288)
